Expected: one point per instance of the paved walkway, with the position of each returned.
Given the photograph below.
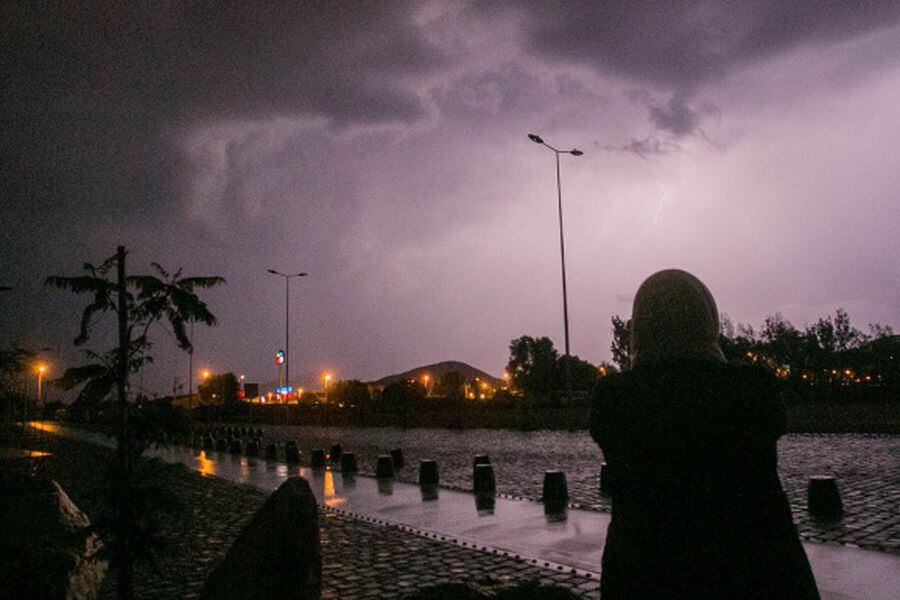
(516, 528)
(361, 560)
(867, 468)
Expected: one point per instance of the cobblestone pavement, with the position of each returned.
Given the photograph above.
(866, 466)
(361, 560)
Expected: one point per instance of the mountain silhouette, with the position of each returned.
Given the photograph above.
(437, 370)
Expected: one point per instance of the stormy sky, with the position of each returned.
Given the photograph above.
(382, 148)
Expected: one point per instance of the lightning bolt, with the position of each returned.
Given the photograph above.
(656, 213)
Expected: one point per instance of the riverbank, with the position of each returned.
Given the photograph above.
(866, 467)
(361, 560)
(832, 416)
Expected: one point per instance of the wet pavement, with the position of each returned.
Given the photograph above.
(867, 468)
(519, 529)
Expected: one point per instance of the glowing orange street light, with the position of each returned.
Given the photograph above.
(205, 374)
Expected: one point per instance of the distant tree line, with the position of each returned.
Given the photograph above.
(538, 371)
(831, 351)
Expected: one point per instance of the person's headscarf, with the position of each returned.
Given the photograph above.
(674, 318)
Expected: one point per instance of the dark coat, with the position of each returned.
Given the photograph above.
(698, 510)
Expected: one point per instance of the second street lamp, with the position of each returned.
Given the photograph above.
(287, 314)
(562, 252)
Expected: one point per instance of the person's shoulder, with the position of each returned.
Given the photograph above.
(745, 375)
(612, 385)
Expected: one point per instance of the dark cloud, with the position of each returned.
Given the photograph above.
(681, 45)
(195, 60)
(646, 147)
(101, 100)
(334, 138)
(94, 92)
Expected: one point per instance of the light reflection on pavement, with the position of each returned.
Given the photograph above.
(573, 540)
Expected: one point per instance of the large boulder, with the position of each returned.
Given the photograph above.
(278, 555)
(48, 548)
(492, 590)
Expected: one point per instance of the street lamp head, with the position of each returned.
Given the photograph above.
(301, 274)
(272, 271)
(575, 152)
(535, 138)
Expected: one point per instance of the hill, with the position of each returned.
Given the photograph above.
(437, 370)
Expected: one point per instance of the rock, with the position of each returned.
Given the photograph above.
(48, 548)
(278, 554)
(492, 590)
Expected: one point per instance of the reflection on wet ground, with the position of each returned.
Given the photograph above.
(569, 538)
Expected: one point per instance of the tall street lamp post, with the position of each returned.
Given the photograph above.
(562, 252)
(287, 313)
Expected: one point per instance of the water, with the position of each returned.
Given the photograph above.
(866, 466)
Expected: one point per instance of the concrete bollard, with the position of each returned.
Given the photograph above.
(291, 453)
(397, 458)
(317, 459)
(348, 462)
(484, 480)
(335, 453)
(485, 503)
(429, 492)
(272, 452)
(556, 491)
(823, 499)
(235, 447)
(385, 467)
(606, 480)
(222, 445)
(252, 448)
(428, 472)
(385, 485)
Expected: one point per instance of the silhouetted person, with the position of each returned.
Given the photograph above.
(697, 507)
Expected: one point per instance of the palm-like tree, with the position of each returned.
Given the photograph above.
(138, 302)
(148, 299)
